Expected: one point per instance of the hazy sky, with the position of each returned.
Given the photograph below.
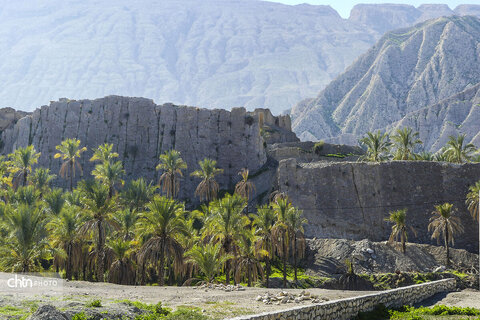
(343, 6)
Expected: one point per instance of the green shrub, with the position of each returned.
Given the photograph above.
(318, 147)
(94, 304)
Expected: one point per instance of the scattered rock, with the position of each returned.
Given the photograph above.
(48, 312)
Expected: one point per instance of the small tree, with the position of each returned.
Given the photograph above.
(378, 146)
(445, 223)
(207, 189)
(69, 150)
(172, 165)
(399, 229)
(472, 200)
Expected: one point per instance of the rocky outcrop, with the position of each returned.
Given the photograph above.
(407, 70)
(140, 131)
(351, 200)
(10, 116)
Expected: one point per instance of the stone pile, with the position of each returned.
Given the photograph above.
(285, 297)
(223, 287)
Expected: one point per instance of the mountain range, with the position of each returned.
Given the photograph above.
(211, 53)
(424, 76)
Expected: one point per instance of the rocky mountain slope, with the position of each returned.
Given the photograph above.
(211, 53)
(459, 114)
(386, 17)
(407, 70)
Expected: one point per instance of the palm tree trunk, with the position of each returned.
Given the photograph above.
(100, 252)
(161, 280)
(404, 246)
(284, 257)
(249, 277)
(25, 174)
(72, 167)
(68, 268)
(446, 244)
(267, 267)
(295, 257)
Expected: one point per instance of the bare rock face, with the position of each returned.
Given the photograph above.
(351, 200)
(140, 131)
(459, 114)
(10, 116)
(407, 70)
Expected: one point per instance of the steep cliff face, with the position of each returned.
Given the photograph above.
(140, 131)
(407, 70)
(351, 200)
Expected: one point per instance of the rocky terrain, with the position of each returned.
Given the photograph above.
(350, 200)
(458, 114)
(407, 70)
(327, 256)
(212, 53)
(141, 130)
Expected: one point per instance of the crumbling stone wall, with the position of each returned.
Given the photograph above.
(350, 200)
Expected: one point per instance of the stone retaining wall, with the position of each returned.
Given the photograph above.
(347, 308)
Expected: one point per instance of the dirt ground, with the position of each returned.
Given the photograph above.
(214, 302)
(464, 298)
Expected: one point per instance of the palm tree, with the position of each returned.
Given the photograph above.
(69, 150)
(208, 188)
(248, 262)
(110, 174)
(444, 222)
(208, 258)
(457, 151)
(137, 193)
(98, 207)
(225, 225)
(64, 232)
(122, 270)
(26, 242)
(405, 141)
(263, 222)
(21, 161)
(25, 195)
(172, 165)
(281, 231)
(295, 222)
(41, 179)
(399, 229)
(425, 156)
(161, 224)
(5, 176)
(472, 200)
(244, 187)
(125, 220)
(378, 146)
(55, 201)
(104, 153)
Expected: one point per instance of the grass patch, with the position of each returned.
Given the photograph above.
(421, 313)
